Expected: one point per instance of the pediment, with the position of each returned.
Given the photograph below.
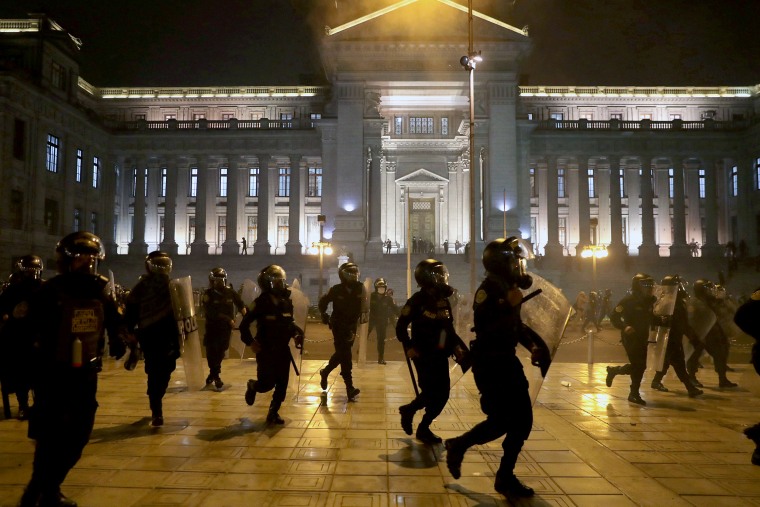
(422, 176)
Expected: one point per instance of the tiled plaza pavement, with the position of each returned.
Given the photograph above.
(589, 446)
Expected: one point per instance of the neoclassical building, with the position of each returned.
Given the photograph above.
(382, 152)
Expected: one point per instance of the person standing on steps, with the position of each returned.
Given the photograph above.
(348, 309)
(633, 316)
(381, 309)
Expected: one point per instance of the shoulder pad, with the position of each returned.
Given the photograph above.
(480, 296)
(252, 306)
(406, 310)
(755, 295)
(619, 309)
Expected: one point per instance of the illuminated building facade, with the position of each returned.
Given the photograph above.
(380, 151)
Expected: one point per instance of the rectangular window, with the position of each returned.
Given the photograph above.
(139, 117)
(221, 230)
(17, 209)
(145, 182)
(675, 117)
(51, 216)
(78, 169)
(161, 228)
(586, 116)
(398, 123)
(561, 182)
(283, 182)
(533, 189)
(314, 188)
(420, 125)
(133, 190)
(227, 116)
(193, 182)
(616, 116)
(190, 229)
(222, 182)
(199, 116)
(734, 181)
(95, 172)
(282, 230)
(671, 186)
(51, 159)
(562, 223)
(757, 174)
(591, 183)
(168, 117)
(444, 126)
(162, 186)
(557, 117)
(315, 116)
(19, 139)
(253, 182)
(287, 120)
(94, 223)
(252, 229)
(621, 178)
(77, 220)
(645, 116)
(702, 192)
(58, 76)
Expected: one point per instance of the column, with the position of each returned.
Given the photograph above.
(648, 248)
(169, 241)
(663, 232)
(633, 195)
(199, 245)
(374, 247)
(584, 214)
(107, 208)
(573, 239)
(262, 244)
(296, 205)
(603, 214)
(552, 249)
(711, 248)
(231, 245)
(680, 248)
(138, 246)
(745, 216)
(617, 248)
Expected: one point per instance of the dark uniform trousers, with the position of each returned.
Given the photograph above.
(161, 349)
(273, 372)
(717, 346)
(217, 341)
(636, 348)
(433, 376)
(343, 340)
(381, 325)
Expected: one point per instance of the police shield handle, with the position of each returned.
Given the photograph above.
(181, 290)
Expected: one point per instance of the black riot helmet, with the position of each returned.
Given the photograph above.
(158, 263)
(79, 251)
(272, 279)
(704, 289)
(503, 258)
(642, 284)
(348, 272)
(380, 285)
(31, 266)
(433, 274)
(671, 280)
(217, 278)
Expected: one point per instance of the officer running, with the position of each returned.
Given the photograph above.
(16, 345)
(633, 316)
(70, 313)
(348, 308)
(149, 312)
(747, 320)
(433, 340)
(273, 313)
(219, 307)
(498, 372)
(381, 309)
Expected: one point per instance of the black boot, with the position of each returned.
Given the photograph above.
(407, 418)
(657, 383)
(724, 382)
(511, 487)
(455, 450)
(635, 397)
(157, 412)
(426, 436)
(274, 418)
(611, 372)
(694, 381)
(209, 379)
(55, 499)
(351, 392)
(31, 496)
(323, 379)
(218, 382)
(250, 392)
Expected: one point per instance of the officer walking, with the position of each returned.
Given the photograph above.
(716, 342)
(679, 326)
(498, 372)
(381, 309)
(747, 320)
(70, 313)
(16, 345)
(633, 316)
(220, 304)
(348, 308)
(149, 312)
(273, 313)
(433, 340)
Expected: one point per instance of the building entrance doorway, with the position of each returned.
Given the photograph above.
(422, 225)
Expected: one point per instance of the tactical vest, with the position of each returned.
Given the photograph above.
(81, 328)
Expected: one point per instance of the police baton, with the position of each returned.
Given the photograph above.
(411, 373)
(531, 295)
(293, 362)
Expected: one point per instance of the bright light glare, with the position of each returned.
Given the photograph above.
(328, 250)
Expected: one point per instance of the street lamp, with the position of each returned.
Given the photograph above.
(594, 252)
(322, 248)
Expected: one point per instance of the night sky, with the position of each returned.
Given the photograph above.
(273, 42)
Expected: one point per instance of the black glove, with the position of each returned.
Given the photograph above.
(325, 318)
(116, 347)
(97, 364)
(541, 357)
(131, 361)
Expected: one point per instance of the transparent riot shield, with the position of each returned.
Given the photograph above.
(249, 291)
(300, 313)
(660, 335)
(461, 310)
(181, 290)
(725, 311)
(547, 314)
(701, 317)
(363, 329)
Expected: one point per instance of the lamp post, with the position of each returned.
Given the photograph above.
(594, 252)
(323, 248)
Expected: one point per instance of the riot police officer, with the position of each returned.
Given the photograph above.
(70, 313)
(16, 345)
(348, 308)
(498, 372)
(633, 316)
(381, 309)
(746, 317)
(149, 312)
(716, 342)
(433, 340)
(273, 313)
(679, 326)
(219, 305)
